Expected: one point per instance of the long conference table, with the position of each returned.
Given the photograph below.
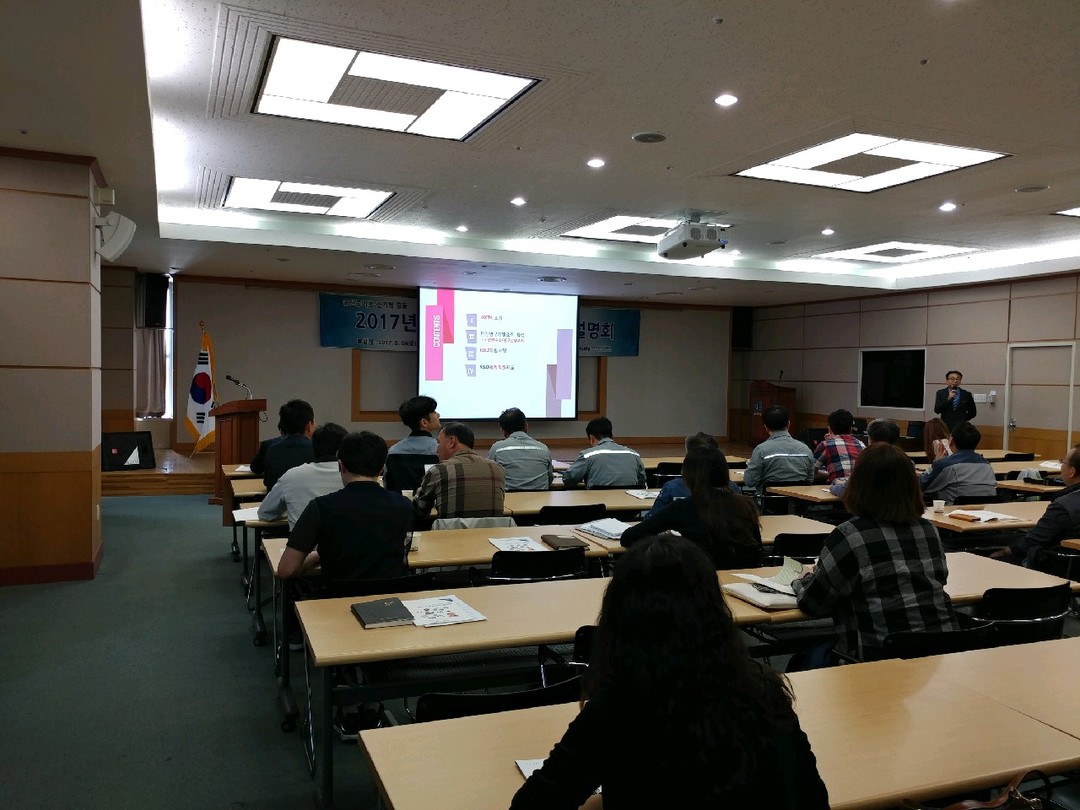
(881, 732)
(545, 613)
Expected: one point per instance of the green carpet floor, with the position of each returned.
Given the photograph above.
(142, 688)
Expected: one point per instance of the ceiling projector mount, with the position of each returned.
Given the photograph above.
(691, 238)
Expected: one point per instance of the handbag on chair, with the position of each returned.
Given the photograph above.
(1010, 797)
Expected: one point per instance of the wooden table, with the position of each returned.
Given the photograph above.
(1029, 513)
(1001, 468)
(811, 493)
(231, 471)
(616, 500)
(517, 616)
(1030, 489)
(881, 732)
(990, 454)
(652, 462)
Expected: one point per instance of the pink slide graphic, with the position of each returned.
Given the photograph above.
(433, 346)
(445, 301)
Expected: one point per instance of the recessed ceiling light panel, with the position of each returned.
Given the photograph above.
(321, 83)
(896, 252)
(304, 198)
(643, 230)
(919, 159)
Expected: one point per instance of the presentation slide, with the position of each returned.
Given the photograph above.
(483, 352)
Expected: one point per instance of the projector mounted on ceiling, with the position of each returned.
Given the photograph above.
(691, 239)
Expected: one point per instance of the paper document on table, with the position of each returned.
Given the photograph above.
(244, 515)
(527, 766)
(751, 592)
(1051, 465)
(780, 582)
(643, 494)
(560, 466)
(515, 544)
(608, 528)
(979, 515)
(440, 610)
(243, 468)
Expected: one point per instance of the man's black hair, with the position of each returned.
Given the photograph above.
(363, 453)
(512, 420)
(776, 417)
(413, 410)
(295, 416)
(326, 440)
(883, 430)
(460, 431)
(966, 436)
(840, 421)
(599, 428)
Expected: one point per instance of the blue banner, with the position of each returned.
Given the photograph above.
(614, 332)
(379, 323)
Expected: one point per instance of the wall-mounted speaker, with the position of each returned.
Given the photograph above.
(742, 327)
(117, 231)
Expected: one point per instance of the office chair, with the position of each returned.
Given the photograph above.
(446, 706)
(915, 429)
(532, 566)
(805, 548)
(571, 515)
(975, 634)
(1019, 457)
(1023, 615)
(559, 661)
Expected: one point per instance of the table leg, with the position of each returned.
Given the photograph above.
(286, 699)
(245, 576)
(325, 796)
(235, 550)
(258, 622)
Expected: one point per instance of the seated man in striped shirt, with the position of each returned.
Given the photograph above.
(605, 464)
(463, 483)
(526, 461)
(781, 457)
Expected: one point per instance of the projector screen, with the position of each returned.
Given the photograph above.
(483, 352)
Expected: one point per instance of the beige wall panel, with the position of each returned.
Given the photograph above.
(49, 517)
(768, 365)
(95, 407)
(740, 365)
(772, 313)
(968, 323)
(44, 237)
(825, 397)
(832, 307)
(117, 349)
(841, 330)
(118, 390)
(118, 277)
(48, 410)
(981, 364)
(1043, 318)
(967, 295)
(588, 371)
(898, 327)
(831, 365)
(894, 302)
(45, 324)
(45, 176)
(1041, 365)
(1040, 406)
(118, 307)
(93, 300)
(782, 334)
(383, 376)
(1054, 285)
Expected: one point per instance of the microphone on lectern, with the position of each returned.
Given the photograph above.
(780, 379)
(235, 381)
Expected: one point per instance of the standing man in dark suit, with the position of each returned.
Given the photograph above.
(953, 403)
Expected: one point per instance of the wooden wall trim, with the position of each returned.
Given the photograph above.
(357, 413)
(601, 392)
(58, 157)
(38, 574)
(74, 461)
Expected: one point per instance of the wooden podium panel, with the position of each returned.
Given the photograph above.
(763, 395)
(236, 441)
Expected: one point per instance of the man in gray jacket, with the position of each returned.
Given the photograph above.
(526, 461)
(605, 465)
(781, 457)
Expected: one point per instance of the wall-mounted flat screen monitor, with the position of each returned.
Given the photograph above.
(483, 352)
(892, 378)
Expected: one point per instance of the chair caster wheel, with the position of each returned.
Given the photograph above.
(259, 640)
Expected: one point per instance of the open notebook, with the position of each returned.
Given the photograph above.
(773, 592)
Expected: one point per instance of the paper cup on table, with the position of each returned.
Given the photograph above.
(939, 506)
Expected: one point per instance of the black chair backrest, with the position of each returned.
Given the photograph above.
(406, 470)
(669, 468)
(1026, 614)
(858, 425)
(659, 480)
(571, 515)
(915, 429)
(803, 547)
(535, 566)
(812, 437)
(329, 589)
(969, 500)
(1019, 457)
(583, 644)
(446, 706)
(920, 643)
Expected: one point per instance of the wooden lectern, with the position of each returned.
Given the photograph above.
(764, 395)
(236, 439)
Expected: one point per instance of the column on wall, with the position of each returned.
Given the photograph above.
(50, 369)
(117, 349)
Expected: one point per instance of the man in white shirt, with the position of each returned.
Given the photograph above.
(299, 485)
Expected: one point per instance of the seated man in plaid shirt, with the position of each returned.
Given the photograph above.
(836, 453)
(463, 483)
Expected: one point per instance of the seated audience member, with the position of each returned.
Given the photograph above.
(964, 473)
(883, 571)
(463, 483)
(714, 517)
(408, 457)
(780, 457)
(362, 530)
(258, 464)
(675, 489)
(1060, 521)
(880, 430)
(605, 465)
(296, 420)
(836, 453)
(937, 441)
(675, 713)
(298, 486)
(526, 461)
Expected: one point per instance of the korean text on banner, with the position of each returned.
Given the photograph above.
(372, 322)
(614, 332)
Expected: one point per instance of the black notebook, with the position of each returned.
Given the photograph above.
(563, 541)
(382, 613)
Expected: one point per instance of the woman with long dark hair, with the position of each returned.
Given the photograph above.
(676, 714)
(724, 523)
(936, 440)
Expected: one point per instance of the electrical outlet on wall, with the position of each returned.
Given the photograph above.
(979, 397)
